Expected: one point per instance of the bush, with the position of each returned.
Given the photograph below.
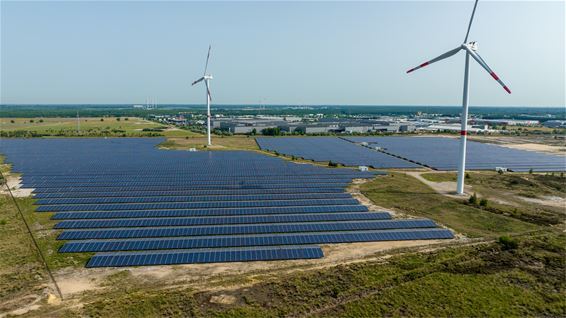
(332, 164)
(12, 121)
(467, 176)
(508, 243)
(126, 118)
(101, 119)
(473, 199)
(483, 202)
(117, 118)
(531, 171)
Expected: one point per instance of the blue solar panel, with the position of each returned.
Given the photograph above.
(208, 212)
(252, 240)
(332, 149)
(194, 198)
(204, 256)
(443, 153)
(125, 194)
(193, 205)
(183, 193)
(191, 221)
(244, 229)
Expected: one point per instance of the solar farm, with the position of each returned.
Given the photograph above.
(133, 204)
(437, 153)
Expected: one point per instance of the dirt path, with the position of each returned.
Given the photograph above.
(447, 188)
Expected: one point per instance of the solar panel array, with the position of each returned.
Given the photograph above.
(412, 152)
(332, 149)
(443, 153)
(136, 205)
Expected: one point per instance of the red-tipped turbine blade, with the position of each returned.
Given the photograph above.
(436, 59)
(483, 64)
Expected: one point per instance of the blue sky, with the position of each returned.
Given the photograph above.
(347, 53)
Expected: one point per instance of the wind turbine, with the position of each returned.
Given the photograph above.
(471, 49)
(206, 78)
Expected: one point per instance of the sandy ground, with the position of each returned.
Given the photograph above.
(14, 185)
(536, 147)
(547, 200)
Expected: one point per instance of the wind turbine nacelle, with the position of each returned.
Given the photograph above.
(473, 46)
(207, 77)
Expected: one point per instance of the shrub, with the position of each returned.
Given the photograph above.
(531, 171)
(12, 121)
(483, 202)
(41, 120)
(117, 118)
(101, 119)
(467, 176)
(473, 199)
(332, 164)
(508, 243)
(126, 118)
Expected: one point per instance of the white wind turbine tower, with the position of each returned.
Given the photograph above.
(470, 50)
(206, 78)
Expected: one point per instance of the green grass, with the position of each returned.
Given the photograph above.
(440, 177)
(21, 269)
(406, 194)
(506, 192)
(89, 127)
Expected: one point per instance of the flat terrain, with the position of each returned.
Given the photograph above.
(91, 126)
(477, 274)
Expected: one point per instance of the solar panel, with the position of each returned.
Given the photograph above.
(244, 229)
(443, 154)
(247, 219)
(207, 212)
(204, 256)
(193, 205)
(125, 194)
(332, 149)
(253, 240)
(117, 194)
(258, 197)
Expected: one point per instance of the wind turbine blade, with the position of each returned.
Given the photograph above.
(208, 90)
(483, 64)
(207, 58)
(471, 20)
(198, 81)
(436, 59)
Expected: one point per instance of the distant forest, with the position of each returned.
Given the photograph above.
(532, 113)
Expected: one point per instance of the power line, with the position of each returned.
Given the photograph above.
(32, 237)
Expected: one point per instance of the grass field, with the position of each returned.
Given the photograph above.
(236, 142)
(92, 126)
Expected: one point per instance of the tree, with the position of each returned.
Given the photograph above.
(531, 171)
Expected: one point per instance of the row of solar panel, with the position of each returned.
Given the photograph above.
(194, 187)
(253, 240)
(194, 177)
(123, 183)
(204, 256)
(207, 212)
(277, 218)
(256, 197)
(184, 184)
(245, 229)
(183, 192)
(193, 205)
